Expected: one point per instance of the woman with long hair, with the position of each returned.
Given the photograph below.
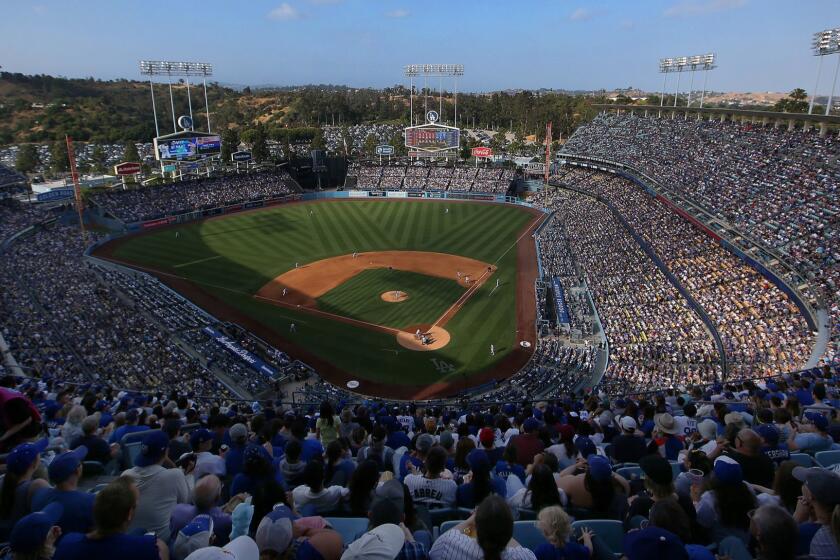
(463, 448)
(338, 467)
(479, 483)
(723, 507)
(326, 427)
(541, 492)
(599, 490)
(362, 486)
(486, 535)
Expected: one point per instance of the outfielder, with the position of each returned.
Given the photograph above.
(492, 350)
(292, 327)
(177, 234)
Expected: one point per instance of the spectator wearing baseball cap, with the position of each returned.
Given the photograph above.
(98, 448)
(653, 542)
(281, 534)
(820, 502)
(201, 441)
(160, 489)
(35, 535)
(628, 446)
(113, 511)
(812, 435)
(65, 470)
(597, 489)
(240, 548)
(659, 484)
(487, 442)
(770, 444)
(196, 534)
(723, 508)
(19, 486)
(235, 455)
(528, 444)
(479, 483)
(205, 497)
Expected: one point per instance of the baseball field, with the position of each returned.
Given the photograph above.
(412, 299)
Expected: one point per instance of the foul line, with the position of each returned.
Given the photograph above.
(196, 262)
(524, 233)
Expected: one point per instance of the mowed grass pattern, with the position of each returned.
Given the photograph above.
(232, 257)
(361, 298)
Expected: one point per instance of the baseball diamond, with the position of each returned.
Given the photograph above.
(400, 295)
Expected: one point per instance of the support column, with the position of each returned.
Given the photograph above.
(823, 129)
(791, 125)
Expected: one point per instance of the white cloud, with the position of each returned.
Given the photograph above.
(284, 12)
(398, 14)
(581, 14)
(699, 8)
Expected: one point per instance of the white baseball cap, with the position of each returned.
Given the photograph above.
(381, 543)
(628, 423)
(240, 548)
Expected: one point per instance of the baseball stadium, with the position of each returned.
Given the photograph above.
(488, 311)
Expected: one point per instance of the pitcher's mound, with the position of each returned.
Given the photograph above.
(394, 296)
(435, 338)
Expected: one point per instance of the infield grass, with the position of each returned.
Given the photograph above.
(232, 257)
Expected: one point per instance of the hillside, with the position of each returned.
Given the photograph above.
(45, 108)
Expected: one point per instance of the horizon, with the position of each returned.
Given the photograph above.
(365, 44)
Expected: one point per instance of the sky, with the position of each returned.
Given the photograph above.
(761, 45)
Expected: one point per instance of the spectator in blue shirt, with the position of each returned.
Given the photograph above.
(65, 472)
(113, 511)
(811, 437)
(130, 426)
(35, 535)
(479, 483)
(235, 455)
(556, 526)
(508, 465)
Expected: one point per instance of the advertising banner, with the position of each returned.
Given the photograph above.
(127, 168)
(482, 151)
(231, 346)
(396, 194)
(357, 194)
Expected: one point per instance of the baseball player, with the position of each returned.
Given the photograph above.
(177, 234)
(417, 334)
(492, 350)
(459, 274)
(354, 254)
(284, 292)
(296, 265)
(497, 282)
(446, 211)
(292, 327)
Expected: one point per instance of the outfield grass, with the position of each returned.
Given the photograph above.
(234, 256)
(360, 298)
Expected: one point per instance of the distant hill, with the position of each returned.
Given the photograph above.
(44, 108)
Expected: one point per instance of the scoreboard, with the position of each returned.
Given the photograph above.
(432, 138)
(188, 148)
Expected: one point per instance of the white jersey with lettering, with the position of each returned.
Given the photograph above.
(431, 492)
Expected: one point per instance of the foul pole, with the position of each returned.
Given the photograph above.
(77, 190)
(547, 151)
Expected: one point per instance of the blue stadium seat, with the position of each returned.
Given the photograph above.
(444, 527)
(130, 453)
(631, 473)
(610, 530)
(803, 459)
(826, 459)
(349, 527)
(528, 534)
(676, 468)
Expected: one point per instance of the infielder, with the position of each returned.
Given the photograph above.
(492, 350)
(284, 292)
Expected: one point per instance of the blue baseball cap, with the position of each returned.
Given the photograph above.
(728, 471)
(194, 535)
(152, 448)
(531, 424)
(31, 531)
(599, 468)
(22, 456)
(200, 436)
(255, 454)
(769, 433)
(586, 446)
(653, 542)
(818, 420)
(64, 465)
(478, 461)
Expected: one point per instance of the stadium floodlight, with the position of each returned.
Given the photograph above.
(680, 64)
(440, 71)
(825, 43)
(179, 69)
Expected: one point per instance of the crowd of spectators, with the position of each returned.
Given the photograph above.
(779, 186)
(746, 470)
(148, 203)
(762, 330)
(414, 177)
(84, 151)
(655, 338)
